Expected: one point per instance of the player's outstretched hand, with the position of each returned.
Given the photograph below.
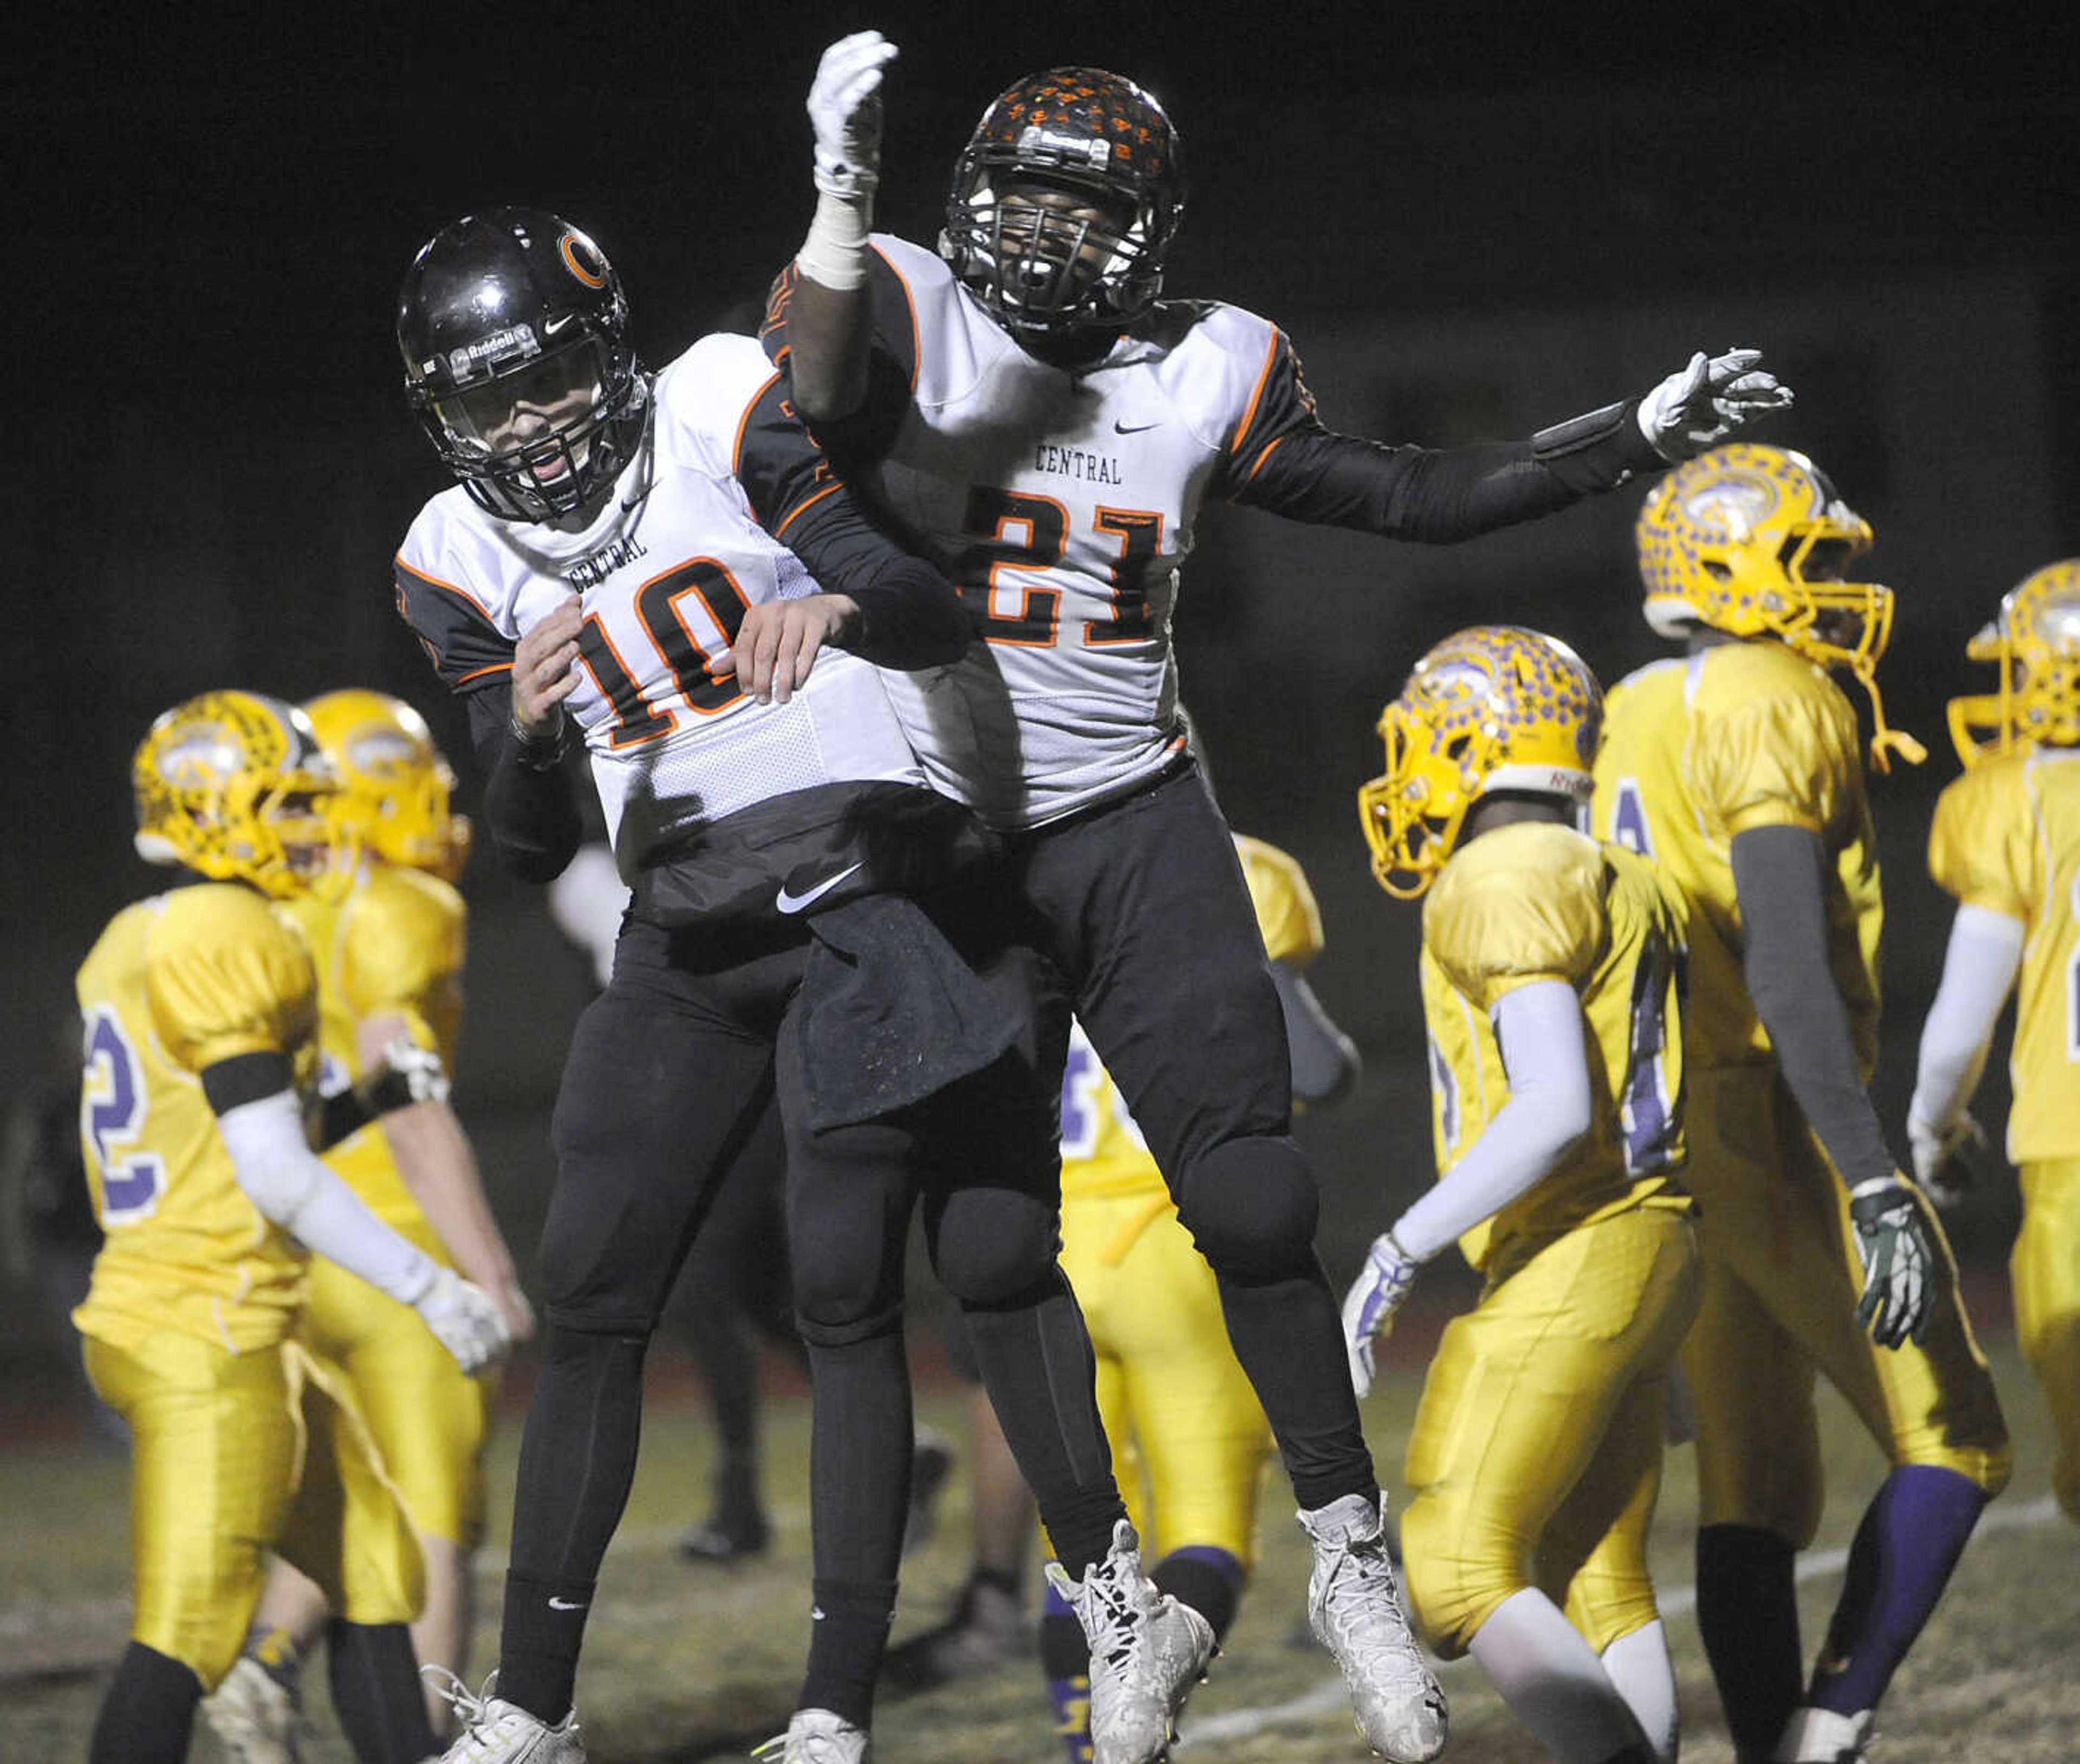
(845, 111)
(776, 645)
(1701, 404)
(465, 1320)
(1380, 1290)
(1895, 1245)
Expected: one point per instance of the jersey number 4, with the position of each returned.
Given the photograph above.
(111, 1116)
(1013, 535)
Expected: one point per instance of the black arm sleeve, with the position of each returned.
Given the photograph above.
(1325, 1060)
(530, 797)
(912, 616)
(1778, 878)
(244, 1078)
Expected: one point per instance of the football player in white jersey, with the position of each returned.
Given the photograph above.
(808, 921)
(1029, 413)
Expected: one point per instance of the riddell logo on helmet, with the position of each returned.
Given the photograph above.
(514, 342)
(1033, 139)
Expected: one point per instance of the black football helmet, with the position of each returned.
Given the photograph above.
(513, 328)
(1091, 135)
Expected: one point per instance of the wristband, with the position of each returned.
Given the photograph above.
(834, 253)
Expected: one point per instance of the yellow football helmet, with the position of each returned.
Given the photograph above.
(2035, 640)
(234, 785)
(397, 787)
(1752, 540)
(1494, 708)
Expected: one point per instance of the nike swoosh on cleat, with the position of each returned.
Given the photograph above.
(787, 902)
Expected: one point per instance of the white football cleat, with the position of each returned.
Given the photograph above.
(1822, 1736)
(1148, 1651)
(497, 1731)
(1355, 1609)
(817, 1736)
(254, 1716)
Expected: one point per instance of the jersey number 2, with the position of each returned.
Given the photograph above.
(112, 1115)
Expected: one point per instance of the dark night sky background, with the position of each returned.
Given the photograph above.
(1472, 220)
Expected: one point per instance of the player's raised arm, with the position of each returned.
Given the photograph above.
(828, 309)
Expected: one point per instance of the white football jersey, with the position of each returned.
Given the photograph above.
(1061, 504)
(665, 573)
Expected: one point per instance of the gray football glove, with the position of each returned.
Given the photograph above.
(1893, 1242)
(845, 111)
(1699, 405)
(1381, 1289)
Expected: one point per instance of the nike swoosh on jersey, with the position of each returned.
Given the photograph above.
(1119, 428)
(789, 902)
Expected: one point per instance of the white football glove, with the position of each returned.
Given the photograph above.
(1699, 405)
(405, 1073)
(1949, 1160)
(464, 1319)
(845, 111)
(1380, 1290)
(1893, 1244)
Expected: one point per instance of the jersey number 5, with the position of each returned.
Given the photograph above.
(112, 1115)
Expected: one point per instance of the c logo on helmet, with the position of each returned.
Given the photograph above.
(582, 257)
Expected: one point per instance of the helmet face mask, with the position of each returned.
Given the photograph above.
(396, 788)
(513, 330)
(233, 786)
(1063, 204)
(2035, 642)
(1491, 710)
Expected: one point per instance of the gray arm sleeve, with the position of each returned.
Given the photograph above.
(1778, 873)
(1325, 1060)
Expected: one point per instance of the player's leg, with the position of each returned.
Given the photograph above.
(706, 1313)
(349, 1533)
(215, 1443)
(1519, 1406)
(1751, 1386)
(2044, 1270)
(1931, 1408)
(1142, 904)
(668, 1073)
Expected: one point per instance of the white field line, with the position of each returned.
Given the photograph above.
(1330, 1695)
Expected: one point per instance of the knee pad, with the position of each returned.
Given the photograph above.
(990, 1246)
(885, 1319)
(1250, 1207)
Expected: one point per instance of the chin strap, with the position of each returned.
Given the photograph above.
(1885, 742)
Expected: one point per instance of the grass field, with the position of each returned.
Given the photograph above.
(686, 1663)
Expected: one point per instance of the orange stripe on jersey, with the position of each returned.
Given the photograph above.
(1270, 447)
(1255, 397)
(803, 507)
(460, 593)
(502, 668)
(910, 304)
(744, 422)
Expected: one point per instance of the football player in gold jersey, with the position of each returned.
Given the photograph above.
(1189, 1439)
(1551, 973)
(2007, 843)
(200, 1015)
(1736, 767)
(389, 956)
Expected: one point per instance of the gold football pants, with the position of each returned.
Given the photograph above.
(2044, 1270)
(1189, 1437)
(1781, 1281)
(1537, 1447)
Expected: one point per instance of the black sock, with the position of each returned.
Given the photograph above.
(847, 1638)
(578, 1461)
(1288, 1334)
(1037, 1362)
(376, 1692)
(147, 1715)
(1209, 1580)
(1747, 1615)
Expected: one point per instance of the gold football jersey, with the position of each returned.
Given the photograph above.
(2006, 837)
(1102, 1151)
(1535, 901)
(174, 984)
(1698, 748)
(394, 944)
